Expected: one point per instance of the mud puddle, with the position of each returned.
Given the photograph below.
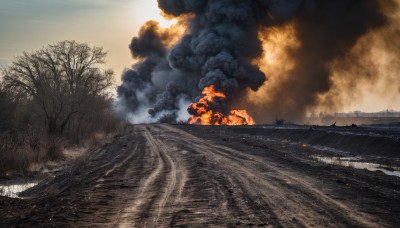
(354, 162)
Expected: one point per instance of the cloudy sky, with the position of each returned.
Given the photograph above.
(28, 25)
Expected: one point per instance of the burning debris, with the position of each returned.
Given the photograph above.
(204, 111)
(212, 59)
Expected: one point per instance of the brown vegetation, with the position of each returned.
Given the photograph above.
(19, 150)
(50, 99)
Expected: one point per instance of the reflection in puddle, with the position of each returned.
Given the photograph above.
(352, 162)
(331, 150)
(13, 190)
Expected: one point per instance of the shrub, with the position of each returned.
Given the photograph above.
(280, 121)
(14, 155)
(19, 150)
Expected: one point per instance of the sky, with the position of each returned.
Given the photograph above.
(28, 25)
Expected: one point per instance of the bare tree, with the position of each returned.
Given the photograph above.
(60, 78)
(7, 108)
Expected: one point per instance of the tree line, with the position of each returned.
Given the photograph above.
(60, 91)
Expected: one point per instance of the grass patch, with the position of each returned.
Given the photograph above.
(19, 150)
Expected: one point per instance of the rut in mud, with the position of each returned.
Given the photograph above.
(164, 175)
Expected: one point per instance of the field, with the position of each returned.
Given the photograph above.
(265, 175)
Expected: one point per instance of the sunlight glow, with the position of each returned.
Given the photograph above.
(166, 23)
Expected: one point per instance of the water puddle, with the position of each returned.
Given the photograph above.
(354, 162)
(330, 150)
(286, 127)
(13, 190)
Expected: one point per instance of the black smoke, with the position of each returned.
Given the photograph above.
(221, 43)
(327, 31)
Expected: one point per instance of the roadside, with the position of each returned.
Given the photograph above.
(12, 204)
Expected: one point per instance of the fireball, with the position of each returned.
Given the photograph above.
(203, 113)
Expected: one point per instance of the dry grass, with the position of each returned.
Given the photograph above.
(14, 154)
(18, 151)
(21, 151)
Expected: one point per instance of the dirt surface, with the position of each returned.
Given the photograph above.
(165, 175)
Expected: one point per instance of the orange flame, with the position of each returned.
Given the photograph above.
(204, 115)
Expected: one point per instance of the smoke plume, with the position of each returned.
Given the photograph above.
(223, 45)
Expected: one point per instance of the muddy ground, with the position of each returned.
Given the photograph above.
(178, 175)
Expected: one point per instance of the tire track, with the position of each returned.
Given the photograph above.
(289, 195)
(101, 202)
(144, 195)
(152, 197)
(171, 179)
(118, 165)
(159, 176)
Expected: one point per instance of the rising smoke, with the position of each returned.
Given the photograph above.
(223, 40)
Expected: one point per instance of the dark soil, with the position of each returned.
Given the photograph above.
(164, 175)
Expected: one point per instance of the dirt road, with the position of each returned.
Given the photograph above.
(164, 175)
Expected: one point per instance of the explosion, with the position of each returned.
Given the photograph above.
(203, 112)
(215, 57)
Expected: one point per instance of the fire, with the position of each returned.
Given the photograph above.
(203, 113)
